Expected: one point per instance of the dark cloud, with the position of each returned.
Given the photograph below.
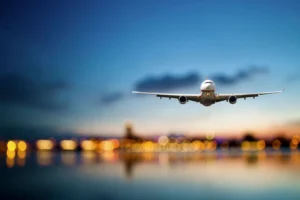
(111, 98)
(239, 76)
(167, 82)
(19, 89)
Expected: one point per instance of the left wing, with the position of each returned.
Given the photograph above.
(191, 97)
(222, 97)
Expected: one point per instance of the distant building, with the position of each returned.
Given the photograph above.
(129, 133)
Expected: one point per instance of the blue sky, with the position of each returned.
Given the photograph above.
(71, 65)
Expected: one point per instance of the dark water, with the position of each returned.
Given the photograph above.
(113, 175)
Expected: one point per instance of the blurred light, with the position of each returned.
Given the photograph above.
(22, 146)
(148, 146)
(295, 141)
(296, 137)
(276, 144)
(44, 144)
(109, 156)
(261, 145)
(210, 136)
(88, 157)
(68, 144)
(21, 162)
(245, 145)
(198, 145)
(88, 145)
(10, 162)
(293, 145)
(68, 158)
(163, 140)
(11, 146)
(107, 145)
(21, 154)
(224, 145)
(115, 143)
(44, 158)
(10, 154)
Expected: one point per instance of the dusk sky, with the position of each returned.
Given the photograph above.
(70, 66)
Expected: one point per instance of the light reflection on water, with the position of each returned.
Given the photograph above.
(117, 175)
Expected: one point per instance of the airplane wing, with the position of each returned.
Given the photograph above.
(191, 97)
(222, 97)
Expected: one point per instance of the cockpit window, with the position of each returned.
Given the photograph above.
(208, 82)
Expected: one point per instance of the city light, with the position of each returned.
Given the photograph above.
(44, 144)
(261, 145)
(10, 154)
(11, 146)
(88, 145)
(276, 144)
(22, 146)
(68, 144)
(107, 145)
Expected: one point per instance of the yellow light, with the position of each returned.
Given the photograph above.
(68, 144)
(21, 154)
(11, 146)
(10, 154)
(44, 144)
(276, 144)
(261, 145)
(198, 145)
(245, 145)
(107, 145)
(22, 146)
(148, 146)
(88, 145)
(163, 140)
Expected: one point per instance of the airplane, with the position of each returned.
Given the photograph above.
(207, 96)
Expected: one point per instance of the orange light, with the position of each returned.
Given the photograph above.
(68, 144)
(116, 143)
(148, 146)
(261, 145)
(44, 144)
(21, 154)
(88, 145)
(10, 162)
(293, 145)
(22, 146)
(44, 158)
(10, 154)
(295, 141)
(107, 145)
(276, 144)
(198, 145)
(11, 146)
(245, 145)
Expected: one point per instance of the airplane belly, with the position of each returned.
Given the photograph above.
(207, 99)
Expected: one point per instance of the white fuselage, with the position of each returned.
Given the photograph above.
(207, 95)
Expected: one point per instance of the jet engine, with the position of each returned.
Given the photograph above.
(232, 99)
(182, 99)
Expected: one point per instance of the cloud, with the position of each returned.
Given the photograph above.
(111, 98)
(239, 76)
(167, 82)
(18, 89)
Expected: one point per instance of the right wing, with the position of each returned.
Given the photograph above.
(191, 97)
(222, 97)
